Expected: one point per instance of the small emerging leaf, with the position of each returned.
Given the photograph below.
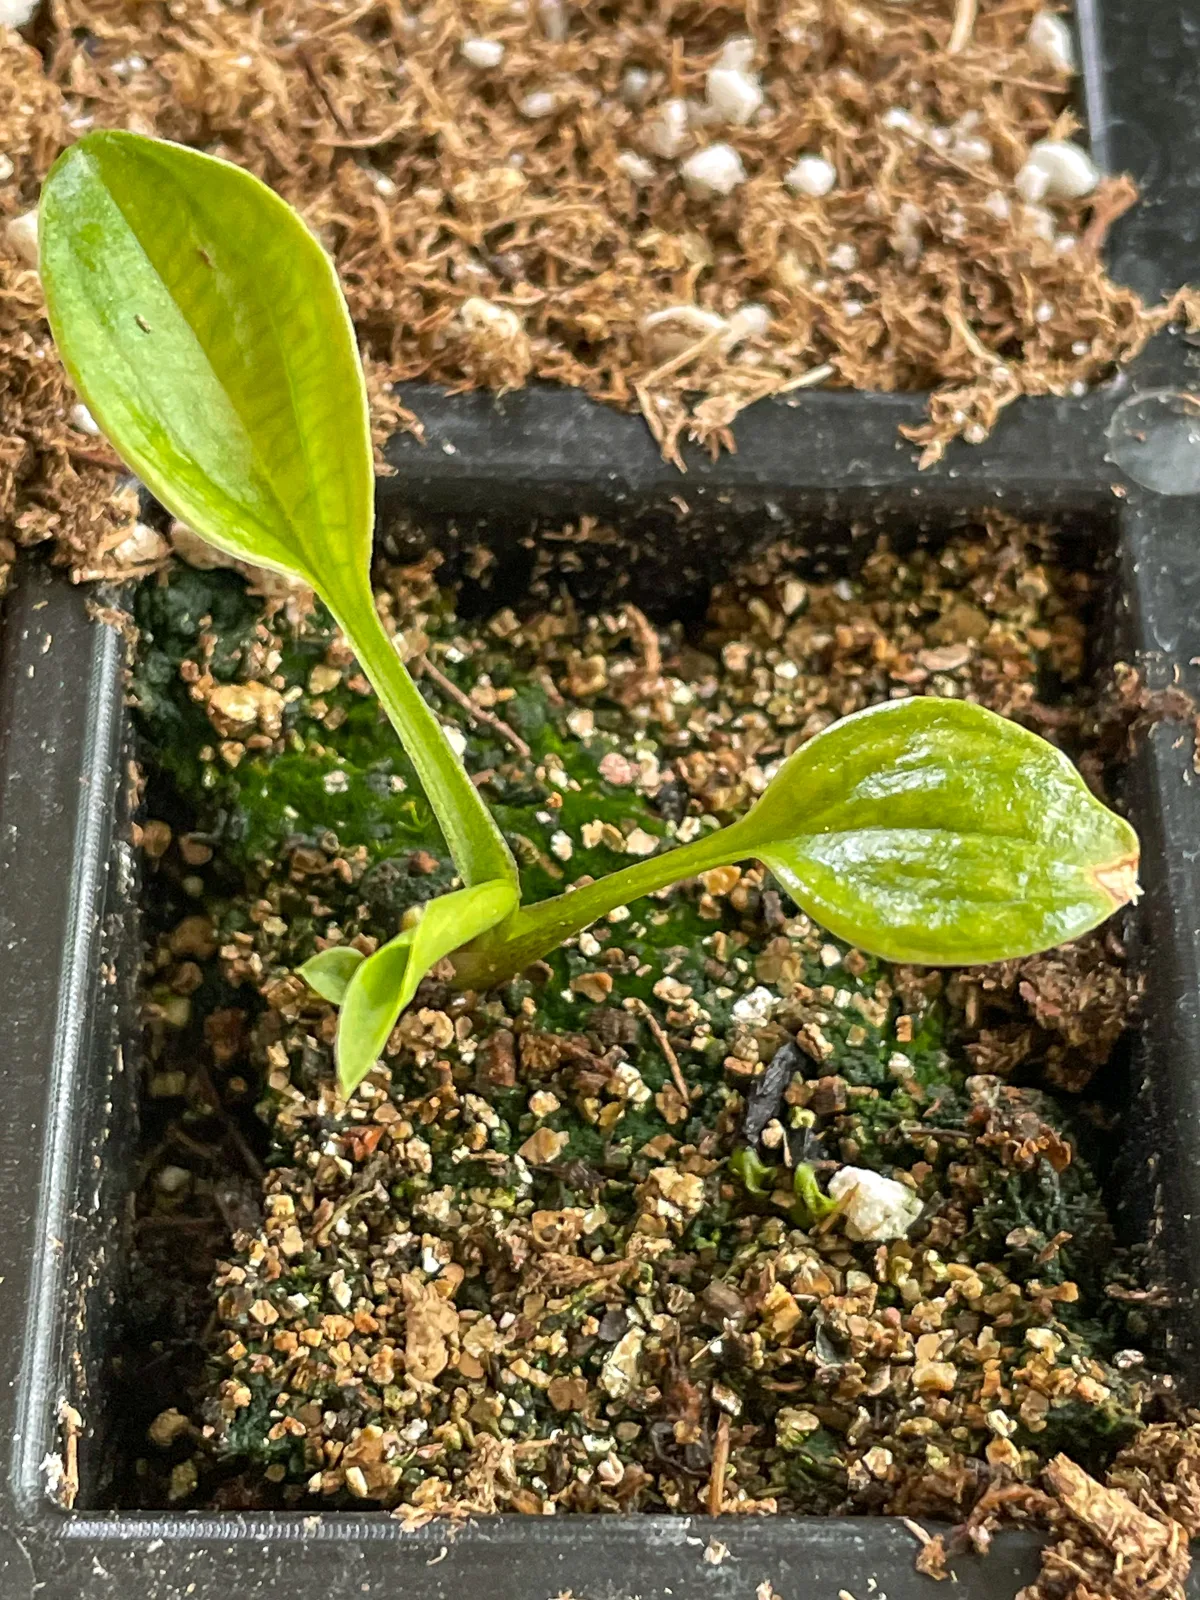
(811, 1202)
(936, 832)
(329, 971)
(386, 981)
(370, 1008)
(755, 1174)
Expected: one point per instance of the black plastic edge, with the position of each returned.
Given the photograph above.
(1160, 580)
(813, 454)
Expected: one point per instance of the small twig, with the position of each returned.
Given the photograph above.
(806, 380)
(72, 1426)
(184, 1224)
(319, 89)
(343, 1209)
(369, 141)
(1113, 200)
(957, 319)
(209, 1089)
(445, 126)
(176, 1135)
(1012, 82)
(716, 1483)
(559, 208)
(686, 357)
(99, 456)
(476, 713)
(655, 423)
(340, 24)
(964, 26)
(664, 1044)
(835, 1211)
(548, 687)
(927, 144)
(647, 638)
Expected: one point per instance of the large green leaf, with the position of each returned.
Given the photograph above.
(385, 983)
(205, 328)
(924, 830)
(937, 832)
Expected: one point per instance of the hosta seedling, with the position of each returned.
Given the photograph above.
(206, 331)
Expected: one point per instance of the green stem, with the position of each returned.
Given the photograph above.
(533, 930)
(475, 842)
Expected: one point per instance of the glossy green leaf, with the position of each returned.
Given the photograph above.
(205, 328)
(386, 981)
(934, 831)
(924, 830)
(329, 971)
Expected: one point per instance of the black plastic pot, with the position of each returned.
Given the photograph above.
(1119, 469)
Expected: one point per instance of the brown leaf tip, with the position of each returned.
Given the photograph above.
(1119, 880)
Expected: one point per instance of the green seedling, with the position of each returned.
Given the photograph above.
(764, 1181)
(205, 329)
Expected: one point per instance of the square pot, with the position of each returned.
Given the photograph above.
(1115, 468)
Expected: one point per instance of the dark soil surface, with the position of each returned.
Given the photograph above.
(553, 1255)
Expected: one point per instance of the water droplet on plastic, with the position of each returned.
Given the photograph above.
(1155, 440)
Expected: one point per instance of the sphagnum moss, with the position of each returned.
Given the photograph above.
(518, 1270)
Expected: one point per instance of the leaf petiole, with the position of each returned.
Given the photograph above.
(534, 929)
(471, 833)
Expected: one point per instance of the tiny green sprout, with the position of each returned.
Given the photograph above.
(756, 1176)
(811, 1202)
(206, 331)
(762, 1180)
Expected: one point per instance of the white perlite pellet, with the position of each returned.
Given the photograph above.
(1057, 170)
(16, 13)
(635, 166)
(1049, 38)
(480, 316)
(553, 19)
(716, 170)
(483, 53)
(756, 1007)
(635, 86)
(811, 175)
(750, 321)
(734, 92)
(21, 237)
(82, 420)
(540, 103)
(667, 131)
(970, 147)
(876, 1207)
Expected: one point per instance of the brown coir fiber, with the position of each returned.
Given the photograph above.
(437, 183)
(498, 223)
(55, 482)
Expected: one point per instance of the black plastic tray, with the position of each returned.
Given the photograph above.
(68, 913)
